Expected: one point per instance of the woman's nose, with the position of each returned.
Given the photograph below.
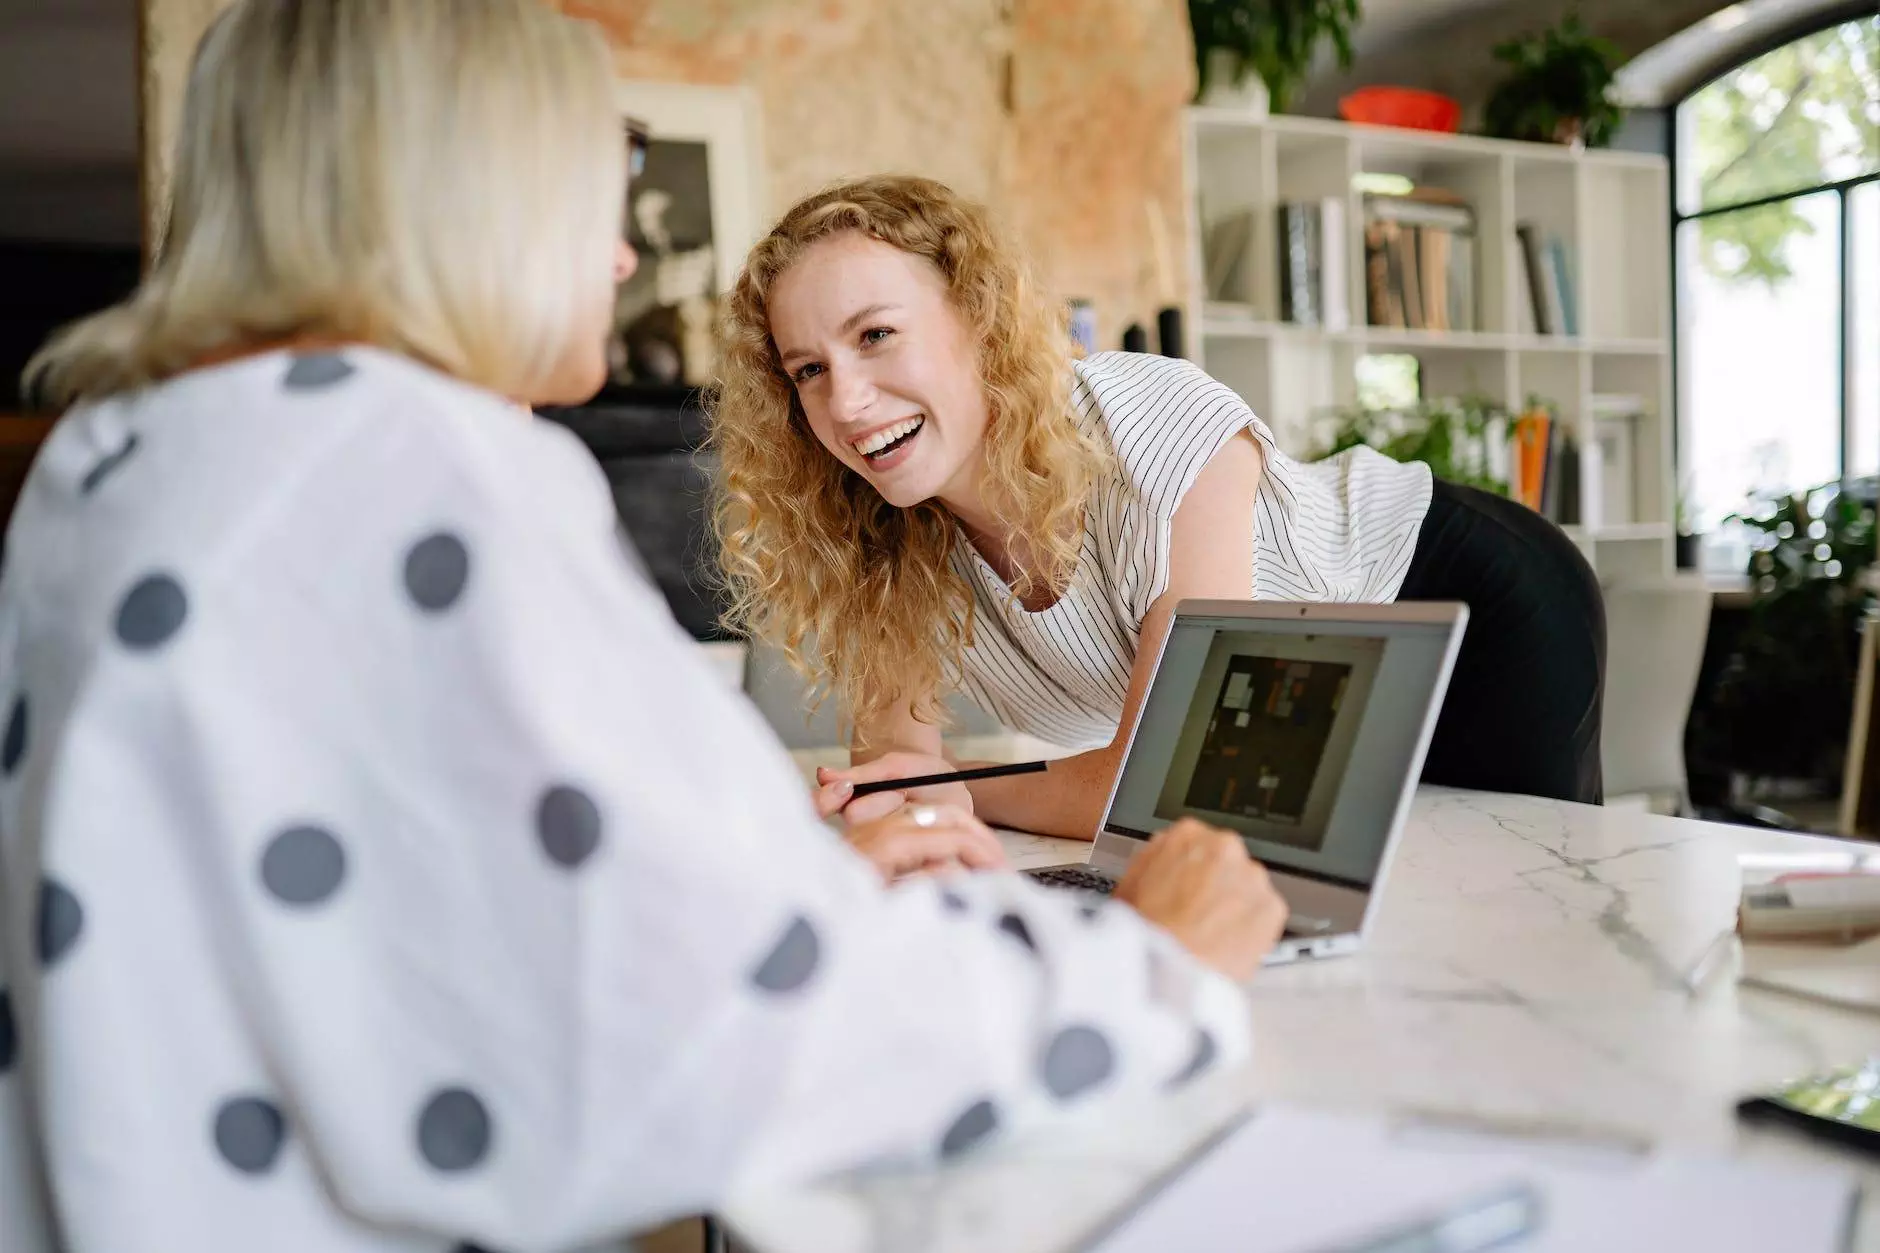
(850, 391)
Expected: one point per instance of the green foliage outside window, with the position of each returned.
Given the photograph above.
(1805, 114)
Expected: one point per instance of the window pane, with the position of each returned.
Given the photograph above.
(1760, 359)
(1805, 114)
(1863, 454)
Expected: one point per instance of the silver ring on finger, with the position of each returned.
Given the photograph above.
(925, 815)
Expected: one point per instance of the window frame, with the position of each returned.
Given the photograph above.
(1738, 57)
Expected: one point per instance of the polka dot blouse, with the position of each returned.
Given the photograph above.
(382, 869)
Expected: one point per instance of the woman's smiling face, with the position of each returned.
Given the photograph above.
(883, 366)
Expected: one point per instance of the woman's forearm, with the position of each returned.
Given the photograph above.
(1066, 800)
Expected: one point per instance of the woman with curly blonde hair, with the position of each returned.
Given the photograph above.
(923, 488)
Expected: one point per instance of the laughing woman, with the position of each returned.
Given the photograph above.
(925, 490)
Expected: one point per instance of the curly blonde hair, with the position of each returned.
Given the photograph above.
(858, 594)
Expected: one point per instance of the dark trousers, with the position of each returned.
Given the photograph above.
(1522, 712)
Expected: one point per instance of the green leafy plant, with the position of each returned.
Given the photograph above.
(1788, 119)
(1557, 90)
(1781, 705)
(1451, 436)
(1275, 39)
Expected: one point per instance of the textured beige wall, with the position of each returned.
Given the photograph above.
(1064, 114)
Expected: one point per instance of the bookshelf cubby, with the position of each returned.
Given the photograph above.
(1598, 219)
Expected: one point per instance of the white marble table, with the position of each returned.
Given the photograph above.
(1526, 968)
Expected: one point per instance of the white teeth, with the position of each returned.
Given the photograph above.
(887, 435)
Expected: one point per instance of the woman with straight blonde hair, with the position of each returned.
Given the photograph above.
(380, 868)
(925, 489)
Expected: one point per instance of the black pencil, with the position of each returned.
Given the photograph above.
(956, 776)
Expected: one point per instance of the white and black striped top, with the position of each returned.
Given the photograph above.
(1342, 529)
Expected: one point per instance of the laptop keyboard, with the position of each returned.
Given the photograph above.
(1076, 877)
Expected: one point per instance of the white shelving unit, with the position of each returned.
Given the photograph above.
(1611, 208)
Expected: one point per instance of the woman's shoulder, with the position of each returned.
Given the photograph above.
(1163, 416)
(1130, 384)
(324, 418)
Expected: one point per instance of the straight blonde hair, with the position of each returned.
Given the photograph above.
(442, 178)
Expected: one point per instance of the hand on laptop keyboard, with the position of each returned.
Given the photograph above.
(1197, 883)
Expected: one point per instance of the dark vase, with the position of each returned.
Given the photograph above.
(1689, 549)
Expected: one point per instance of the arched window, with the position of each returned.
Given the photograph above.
(1776, 222)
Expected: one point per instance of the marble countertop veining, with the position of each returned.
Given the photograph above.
(1524, 969)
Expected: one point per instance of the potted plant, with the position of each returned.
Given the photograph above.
(1265, 43)
(1452, 437)
(1558, 89)
(1781, 705)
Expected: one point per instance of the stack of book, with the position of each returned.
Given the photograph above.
(1419, 261)
(1544, 468)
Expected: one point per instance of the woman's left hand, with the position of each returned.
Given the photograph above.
(835, 788)
(925, 839)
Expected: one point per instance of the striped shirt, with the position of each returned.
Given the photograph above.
(1342, 529)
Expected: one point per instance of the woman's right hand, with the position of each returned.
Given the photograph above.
(1197, 883)
(920, 839)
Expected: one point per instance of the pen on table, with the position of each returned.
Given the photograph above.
(1707, 961)
(1487, 1220)
(954, 776)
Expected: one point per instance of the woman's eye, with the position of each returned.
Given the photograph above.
(875, 334)
(807, 372)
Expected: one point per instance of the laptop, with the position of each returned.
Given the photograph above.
(1300, 727)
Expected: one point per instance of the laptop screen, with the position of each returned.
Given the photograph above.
(1300, 735)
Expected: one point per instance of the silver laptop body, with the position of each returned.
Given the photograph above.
(1301, 726)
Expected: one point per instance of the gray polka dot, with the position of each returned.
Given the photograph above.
(106, 466)
(61, 919)
(249, 1134)
(1201, 1059)
(792, 961)
(970, 1129)
(9, 1033)
(1090, 911)
(454, 1130)
(436, 569)
(151, 612)
(952, 901)
(314, 370)
(1077, 1060)
(1015, 927)
(568, 822)
(14, 747)
(303, 865)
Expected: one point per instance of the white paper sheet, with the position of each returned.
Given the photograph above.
(1839, 974)
(1290, 1181)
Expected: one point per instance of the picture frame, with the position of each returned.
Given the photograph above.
(692, 216)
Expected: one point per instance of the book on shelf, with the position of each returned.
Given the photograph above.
(1559, 260)
(1419, 253)
(1299, 265)
(1545, 467)
(1548, 292)
(1312, 271)
(1609, 461)
(1334, 251)
(1224, 255)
